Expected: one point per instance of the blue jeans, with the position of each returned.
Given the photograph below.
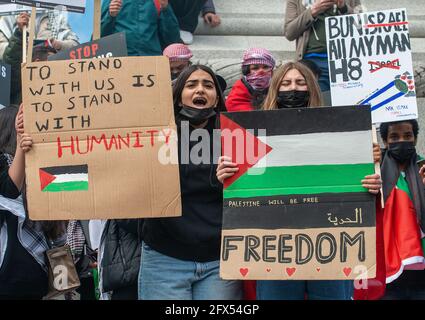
(300, 290)
(165, 278)
(322, 63)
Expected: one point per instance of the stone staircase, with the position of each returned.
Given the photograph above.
(259, 23)
(248, 23)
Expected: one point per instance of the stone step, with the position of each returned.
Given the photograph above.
(266, 17)
(232, 47)
(242, 7)
(224, 53)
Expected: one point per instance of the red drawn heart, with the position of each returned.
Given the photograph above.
(318, 269)
(268, 269)
(403, 77)
(243, 271)
(411, 88)
(347, 271)
(290, 271)
(409, 81)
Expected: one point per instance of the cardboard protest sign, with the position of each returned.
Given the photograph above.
(70, 5)
(5, 71)
(100, 128)
(370, 62)
(296, 208)
(111, 46)
(7, 9)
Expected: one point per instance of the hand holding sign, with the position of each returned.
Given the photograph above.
(22, 20)
(25, 142)
(421, 165)
(57, 44)
(321, 6)
(373, 183)
(226, 168)
(376, 153)
(115, 7)
(19, 121)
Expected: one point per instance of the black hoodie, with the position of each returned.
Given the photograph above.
(195, 236)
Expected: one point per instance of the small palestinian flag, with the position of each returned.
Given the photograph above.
(402, 86)
(64, 178)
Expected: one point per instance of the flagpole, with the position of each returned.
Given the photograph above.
(377, 164)
(31, 35)
(24, 44)
(96, 20)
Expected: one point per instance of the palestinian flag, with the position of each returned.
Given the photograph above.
(314, 152)
(402, 235)
(64, 178)
(300, 173)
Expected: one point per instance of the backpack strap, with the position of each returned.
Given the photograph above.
(157, 6)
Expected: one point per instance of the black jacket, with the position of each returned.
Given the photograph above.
(196, 235)
(13, 56)
(21, 276)
(121, 255)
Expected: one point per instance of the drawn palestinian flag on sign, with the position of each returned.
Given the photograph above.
(402, 86)
(64, 178)
(303, 156)
(303, 177)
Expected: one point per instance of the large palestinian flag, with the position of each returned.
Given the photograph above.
(296, 208)
(64, 178)
(402, 235)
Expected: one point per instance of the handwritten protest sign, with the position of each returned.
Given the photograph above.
(296, 208)
(370, 62)
(111, 46)
(7, 9)
(5, 71)
(98, 127)
(70, 5)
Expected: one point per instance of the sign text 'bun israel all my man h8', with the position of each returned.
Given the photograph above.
(101, 130)
(370, 62)
(296, 208)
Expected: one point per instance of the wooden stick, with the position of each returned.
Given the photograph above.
(31, 35)
(377, 164)
(24, 45)
(96, 20)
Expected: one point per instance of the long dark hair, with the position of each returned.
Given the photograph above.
(53, 230)
(181, 82)
(7, 130)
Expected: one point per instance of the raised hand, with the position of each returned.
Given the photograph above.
(115, 7)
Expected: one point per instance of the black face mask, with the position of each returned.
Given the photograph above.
(293, 99)
(402, 151)
(197, 116)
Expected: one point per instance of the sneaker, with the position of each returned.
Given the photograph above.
(186, 37)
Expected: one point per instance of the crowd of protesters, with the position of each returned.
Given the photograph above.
(179, 258)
